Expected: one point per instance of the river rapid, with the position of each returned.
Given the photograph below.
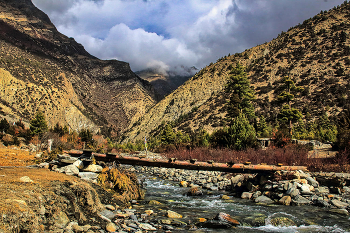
(252, 217)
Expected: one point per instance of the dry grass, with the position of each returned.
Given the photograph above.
(13, 192)
(9, 156)
(290, 156)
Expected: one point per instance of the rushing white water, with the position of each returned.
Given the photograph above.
(253, 217)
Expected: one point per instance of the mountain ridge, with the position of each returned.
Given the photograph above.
(315, 54)
(63, 76)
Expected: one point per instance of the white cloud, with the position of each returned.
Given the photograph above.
(169, 34)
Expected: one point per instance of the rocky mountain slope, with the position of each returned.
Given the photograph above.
(315, 54)
(42, 69)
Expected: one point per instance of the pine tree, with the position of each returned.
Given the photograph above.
(86, 136)
(241, 133)
(326, 131)
(239, 136)
(263, 130)
(168, 135)
(38, 125)
(288, 114)
(343, 136)
(241, 94)
(4, 125)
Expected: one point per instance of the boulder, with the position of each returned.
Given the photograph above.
(286, 200)
(93, 168)
(111, 227)
(88, 175)
(282, 222)
(215, 224)
(339, 204)
(26, 179)
(67, 159)
(147, 227)
(299, 200)
(311, 181)
(322, 189)
(293, 192)
(110, 207)
(77, 228)
(172, 214)
(79, 164)
(149, 212)
(237, 179)
(256, 194)
(44, 165)
(71, 170)
(305, 189)
(227, 219)
(340, 211)
(107, 214)
(246, 195)
(264, 200)
(60, 220)
(154, 202)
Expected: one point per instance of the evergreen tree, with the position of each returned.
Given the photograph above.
(343, 136)
(58, 129)
(263, 130)
(241, 94)
(38, 125)
(86, 136)
(326, 131)
(168, 136)
(288, 115)
(4, 125)
(200, 138)
(239, 136)
(241, 133)
(300, 131)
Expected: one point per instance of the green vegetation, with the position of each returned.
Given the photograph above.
(239, 136)
(240, 93)
(288, 115)
(38, 125)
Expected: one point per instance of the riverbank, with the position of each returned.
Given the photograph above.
(61, 200)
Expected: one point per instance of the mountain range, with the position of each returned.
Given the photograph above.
(315, 54)
(44, 70)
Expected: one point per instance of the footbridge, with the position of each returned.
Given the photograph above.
(188, 164)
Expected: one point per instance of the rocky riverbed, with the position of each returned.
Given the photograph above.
(328, 192)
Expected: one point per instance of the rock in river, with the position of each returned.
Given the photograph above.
(172, 214)
(264, 200)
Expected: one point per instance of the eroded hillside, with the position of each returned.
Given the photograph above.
(42, 69)
(315, 54)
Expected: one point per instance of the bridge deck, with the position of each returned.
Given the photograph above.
(189, 165)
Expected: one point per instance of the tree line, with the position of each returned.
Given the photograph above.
(244, 126)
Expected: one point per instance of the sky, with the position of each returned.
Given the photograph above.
(172, 35)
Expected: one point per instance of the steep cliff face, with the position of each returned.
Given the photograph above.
(42, 69)
(315, 54)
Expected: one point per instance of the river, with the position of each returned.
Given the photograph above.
(252, 217)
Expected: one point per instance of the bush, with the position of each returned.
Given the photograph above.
(239, 136)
